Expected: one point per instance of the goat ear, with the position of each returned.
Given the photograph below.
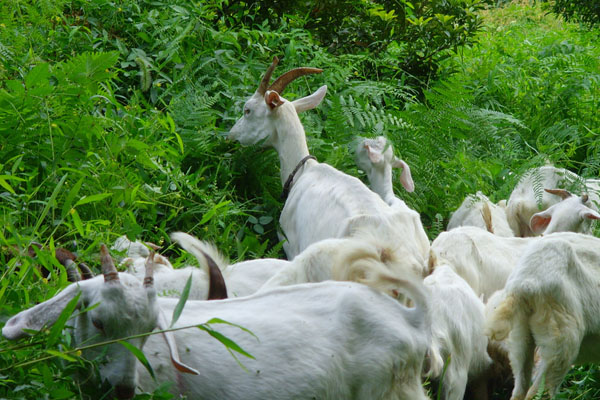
(169, 338)
(311, 101)
(591, 214)
(43, 314)
(273, 99)
(539, 222)
(405, 177)
(562, 193)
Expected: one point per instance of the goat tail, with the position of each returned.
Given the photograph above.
(435, 362)
(199, 248)
(501, 312)
(486, 213)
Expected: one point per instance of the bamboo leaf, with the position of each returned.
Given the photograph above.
(139, 355)
(182, 299)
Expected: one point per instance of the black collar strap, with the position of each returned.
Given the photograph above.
(288, 184)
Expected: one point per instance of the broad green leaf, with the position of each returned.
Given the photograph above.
(70, 197)
(182, 299)
(230, 344)
(77, 221)
(221, 321)
(92, 198)
(139, 355)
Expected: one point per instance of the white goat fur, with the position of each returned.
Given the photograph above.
(359, 344)
(481, 258)
(323, 202)
(551, 301)
(572, 214)
(457, 322)
(523, 202)
(367, 260)
(242, 279)
(478, 210)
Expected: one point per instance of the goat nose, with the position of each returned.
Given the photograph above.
(124, 392)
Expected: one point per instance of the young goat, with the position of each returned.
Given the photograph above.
(359, 344)
(322, 202)
(457, 335)
(551, 301)
(523, 202)
(477, 210)
(376, 158)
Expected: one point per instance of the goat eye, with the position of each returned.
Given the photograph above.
(247, 111)
(98, 324)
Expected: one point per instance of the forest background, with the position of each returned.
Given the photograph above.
(114, 115)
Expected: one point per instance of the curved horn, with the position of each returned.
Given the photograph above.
(285, 79)
(72, 273)
(67, 259)
(562, 193)
(216, 283)
(264, 83)
(584, 198)
(86, 272)
(108, 266)
(149, 276)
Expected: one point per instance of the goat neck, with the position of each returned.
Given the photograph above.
(381, 182)
(289, 140)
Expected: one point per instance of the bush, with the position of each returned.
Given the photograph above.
(415, 35)
(586, 11)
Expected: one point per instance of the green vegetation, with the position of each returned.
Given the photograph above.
(113, 117)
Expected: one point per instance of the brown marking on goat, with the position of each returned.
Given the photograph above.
(216, 283)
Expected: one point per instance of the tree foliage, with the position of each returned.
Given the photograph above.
(585, 11)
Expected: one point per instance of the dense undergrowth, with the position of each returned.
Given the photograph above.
(113, 118)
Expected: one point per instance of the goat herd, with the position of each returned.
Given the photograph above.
(366, 308)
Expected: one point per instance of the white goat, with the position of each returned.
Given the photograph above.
(322, 202)
(523, 201)
(125, 308)
(376, 158)
(551, 301)
(242, 279)
(358, 344)
(481, 258)
(478, 210)
(569, 215)
(457, 335)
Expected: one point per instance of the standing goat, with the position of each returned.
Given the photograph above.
(551, 301)
(322, 202)
(359, 344)
(457, 335)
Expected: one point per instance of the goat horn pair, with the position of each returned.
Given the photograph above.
(108, 266)
(280, 83)
(67, 259)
